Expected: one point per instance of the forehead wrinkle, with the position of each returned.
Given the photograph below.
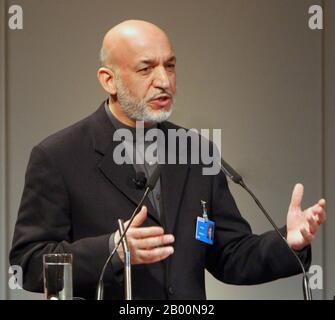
(153, 60)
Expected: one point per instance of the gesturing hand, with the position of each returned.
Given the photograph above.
(146, 244)
(302, 226)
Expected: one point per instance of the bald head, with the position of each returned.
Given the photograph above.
(130, 36)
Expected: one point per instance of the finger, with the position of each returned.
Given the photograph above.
(145, 232)
(319, 212)
(307, 235)
(153, 242)
(322, 203)
(154, 255)
(297, 195)
(139, 218)
(312, 223)
(320, 215)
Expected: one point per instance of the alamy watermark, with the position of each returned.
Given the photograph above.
(316, 277)
(315, 21)
(173, 146)
(15, 21)
(15, 277)
(15, 280)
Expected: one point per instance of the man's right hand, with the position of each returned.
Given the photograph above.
(146, 244)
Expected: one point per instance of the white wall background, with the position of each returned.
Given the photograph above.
(252, 68)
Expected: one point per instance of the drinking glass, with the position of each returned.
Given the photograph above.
(57, 274)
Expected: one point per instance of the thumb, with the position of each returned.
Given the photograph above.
(297, 195)
(140, 217)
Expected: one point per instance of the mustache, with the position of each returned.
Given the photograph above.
(160, 93)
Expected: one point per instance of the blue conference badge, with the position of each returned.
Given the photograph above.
(205, 230)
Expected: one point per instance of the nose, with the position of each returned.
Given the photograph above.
(161, 79)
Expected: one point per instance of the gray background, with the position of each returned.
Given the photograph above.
(252, 68)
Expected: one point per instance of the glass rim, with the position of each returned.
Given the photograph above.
(57, 254)
(57, 257)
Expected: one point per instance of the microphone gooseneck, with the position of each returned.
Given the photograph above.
(235, 177)
(150, 186)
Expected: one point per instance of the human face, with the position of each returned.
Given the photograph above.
(137, 109)
(146, 80)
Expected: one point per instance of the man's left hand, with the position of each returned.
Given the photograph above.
(302, 226)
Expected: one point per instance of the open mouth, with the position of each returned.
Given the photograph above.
(162, 101)
(163, 98)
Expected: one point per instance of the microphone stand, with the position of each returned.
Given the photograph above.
(127, 263)
(235, 177)
(99, 295)
(100, 286)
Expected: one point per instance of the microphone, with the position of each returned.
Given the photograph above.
(150, 186)
(235, 177)
(127, 263)
(140, 180)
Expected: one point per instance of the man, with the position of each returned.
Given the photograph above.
(75, 192)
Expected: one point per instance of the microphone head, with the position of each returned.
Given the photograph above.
(140, 180)
(154, 177)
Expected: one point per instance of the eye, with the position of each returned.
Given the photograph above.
(145, 70)
(171, 65)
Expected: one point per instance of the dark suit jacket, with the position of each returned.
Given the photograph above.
(74, 193)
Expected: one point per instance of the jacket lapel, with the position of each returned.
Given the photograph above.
(173, 181)
(121, 176)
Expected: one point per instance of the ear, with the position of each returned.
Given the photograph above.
(106, 79)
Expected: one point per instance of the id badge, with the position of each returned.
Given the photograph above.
(205, 230)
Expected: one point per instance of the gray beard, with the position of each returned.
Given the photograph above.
(138, 109)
